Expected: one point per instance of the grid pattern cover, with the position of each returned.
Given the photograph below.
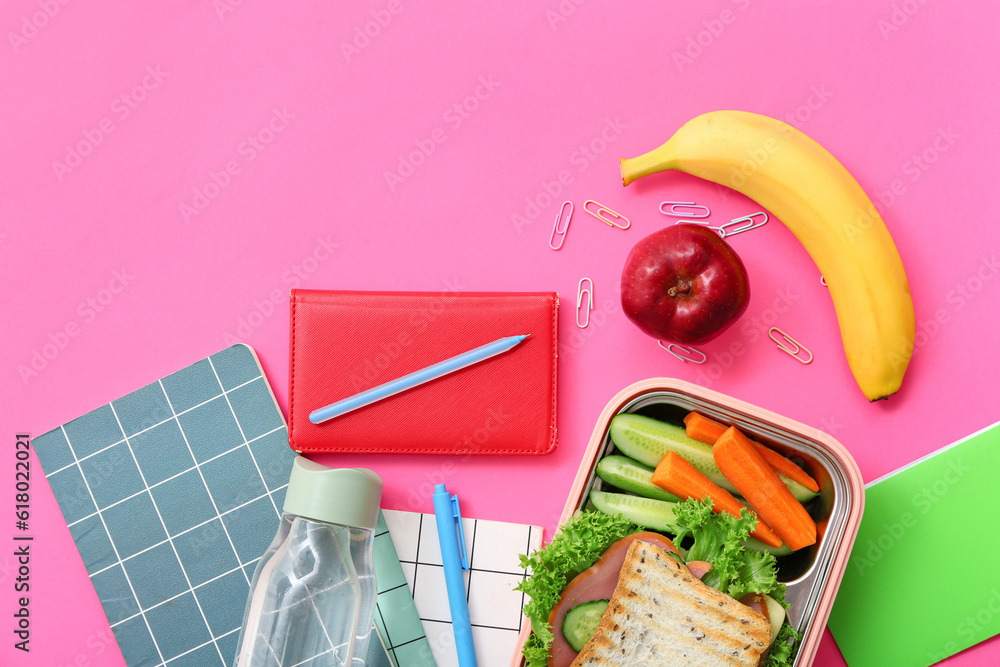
(396, 618)
(172, 493)
(495, 608)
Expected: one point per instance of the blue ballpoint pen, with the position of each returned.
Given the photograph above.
(453, 557)
(414, 379)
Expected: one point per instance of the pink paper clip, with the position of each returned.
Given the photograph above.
(793, 351)
(613, 221)
(582, 290)
(691, 352)
(674, 205)
(559, 231)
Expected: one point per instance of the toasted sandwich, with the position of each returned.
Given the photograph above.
(661, 614)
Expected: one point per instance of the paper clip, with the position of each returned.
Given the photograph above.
(822, 281)
(559, 232)
(788, 339)
(685, 204)
(612, 221)
(690, 351)
(581, 290)
(745, 228)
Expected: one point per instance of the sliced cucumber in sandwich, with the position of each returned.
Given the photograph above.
(581, 622)
(654, 514)
(648, 440)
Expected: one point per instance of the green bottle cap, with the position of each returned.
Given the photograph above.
(348, 496)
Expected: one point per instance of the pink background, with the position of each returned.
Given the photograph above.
(565, 88)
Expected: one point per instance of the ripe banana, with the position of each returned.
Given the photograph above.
(820, 202)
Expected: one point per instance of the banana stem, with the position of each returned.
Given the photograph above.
(656, 160)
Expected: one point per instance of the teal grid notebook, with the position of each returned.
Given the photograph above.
(172, 493)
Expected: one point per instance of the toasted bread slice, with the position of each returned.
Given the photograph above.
(661, 614)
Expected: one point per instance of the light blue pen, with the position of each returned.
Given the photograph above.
(413, 379)
(452, 539)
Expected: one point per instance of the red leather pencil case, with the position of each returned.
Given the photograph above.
(344, 342)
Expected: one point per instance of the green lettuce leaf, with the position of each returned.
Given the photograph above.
(577, 546)
(784, 647)
(718, 539)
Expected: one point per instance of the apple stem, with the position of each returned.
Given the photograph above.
(679, 288)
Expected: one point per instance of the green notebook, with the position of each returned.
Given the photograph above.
(923, 581)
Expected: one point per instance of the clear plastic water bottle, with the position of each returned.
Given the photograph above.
(312, 598)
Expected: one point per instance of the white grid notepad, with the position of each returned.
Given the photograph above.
(493, 549)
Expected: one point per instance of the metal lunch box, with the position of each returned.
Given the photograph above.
(812, 576)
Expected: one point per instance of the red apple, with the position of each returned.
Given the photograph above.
(684, 284)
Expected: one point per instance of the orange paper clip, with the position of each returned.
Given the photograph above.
(796, 346)
(687, 354)
(559, 231)
(585, 288)
(615, 219)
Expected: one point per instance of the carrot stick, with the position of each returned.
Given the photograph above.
(682, 479)
(703, 429)
(757, 481)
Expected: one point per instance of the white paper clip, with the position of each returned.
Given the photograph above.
(691, 352)
(794, 352)
(582, 289)
(615, 220)
(674, 205)
(750, 224)
(559, 231)
(822, 281)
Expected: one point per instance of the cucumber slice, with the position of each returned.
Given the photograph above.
(801, 493)
(648, 440)
(632, 476)
(655, 514)
(581, 622)
(775, 613)
(753, 544)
